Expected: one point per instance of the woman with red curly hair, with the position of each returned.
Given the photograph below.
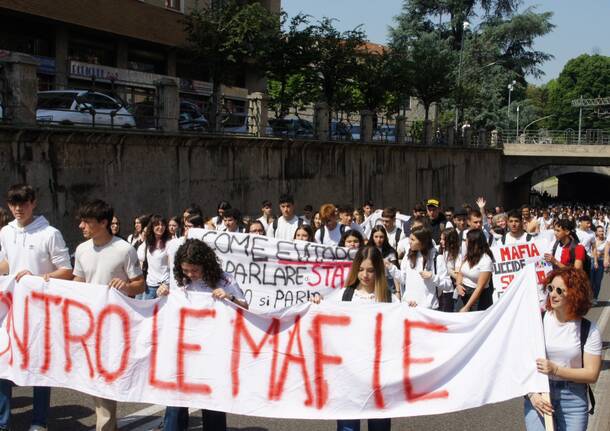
(569, 371)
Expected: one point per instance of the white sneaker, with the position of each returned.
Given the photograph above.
(37, 428)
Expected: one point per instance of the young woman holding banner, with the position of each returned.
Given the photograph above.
(570, 365)
(474, 271)
(366, 283)
(196, 268)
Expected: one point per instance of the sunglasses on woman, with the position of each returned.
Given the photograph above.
(559, 290)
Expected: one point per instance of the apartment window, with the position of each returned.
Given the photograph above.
(174, 4)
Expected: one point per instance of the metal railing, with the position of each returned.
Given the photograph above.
(555, 137)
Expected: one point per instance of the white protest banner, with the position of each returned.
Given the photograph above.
(510, 259)
(327, 361)
(275, 274)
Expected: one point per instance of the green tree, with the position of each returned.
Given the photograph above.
(587, 76)
(287, 61)
(223, 36)
(335, 60)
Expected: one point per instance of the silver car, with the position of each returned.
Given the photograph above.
(82, 108)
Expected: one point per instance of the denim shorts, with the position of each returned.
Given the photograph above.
(571, 404)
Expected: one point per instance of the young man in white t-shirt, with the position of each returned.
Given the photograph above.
(232, 221)
(30, 246)
(267, 218)
(388, 220)
(285, 226)
(515, 233)
(109, 260)
(585, 235)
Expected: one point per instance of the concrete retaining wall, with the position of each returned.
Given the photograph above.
(159, 173)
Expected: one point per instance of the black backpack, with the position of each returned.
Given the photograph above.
(586, 265)
(585, 326)
(397, 235)
(342, 229)
(299, 223)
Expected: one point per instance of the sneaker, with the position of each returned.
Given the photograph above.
(37, 428)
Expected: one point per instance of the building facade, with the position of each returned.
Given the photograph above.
(117, 45)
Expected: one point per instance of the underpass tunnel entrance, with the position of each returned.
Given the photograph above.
(585, 187)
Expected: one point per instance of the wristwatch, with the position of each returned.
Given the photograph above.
(232, 298)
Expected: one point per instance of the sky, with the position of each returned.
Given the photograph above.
(582, 26)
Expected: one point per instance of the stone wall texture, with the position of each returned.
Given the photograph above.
(145, 173)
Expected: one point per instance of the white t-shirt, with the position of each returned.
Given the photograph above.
(227, 282)
(99, 265)
(285, 228)
(37, 247)
(392, 236)
(263, 220)
(587, 239)
(158, 265)
(171, 248)
(562, 341)
(331, 237)
(510, 239)
(471, 275)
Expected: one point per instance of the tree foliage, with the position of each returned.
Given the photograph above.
(223, 36)
(587, 76)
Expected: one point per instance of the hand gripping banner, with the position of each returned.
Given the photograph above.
(327, 361)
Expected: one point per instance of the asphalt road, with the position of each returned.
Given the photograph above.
(72, 410)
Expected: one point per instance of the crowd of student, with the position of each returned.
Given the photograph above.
(433, 258)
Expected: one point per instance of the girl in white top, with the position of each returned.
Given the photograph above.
(450, 246)
(366, 283)
(424, 273)
(152, 255)
(600, 263)
(196, 268)
(570, 370)
(474, 273)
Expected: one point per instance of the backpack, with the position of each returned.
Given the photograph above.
(299, 223)
(585, 326)
(528, 237)
(348, 294)
(397, 235)
(586, 264)
(342, 229)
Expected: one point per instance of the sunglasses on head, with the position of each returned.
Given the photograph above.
(559, 290)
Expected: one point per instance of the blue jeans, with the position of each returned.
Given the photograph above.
(384, 424)
(177, 419)
(596, 277)
(571, 405)
(150, 292)
(42, 400)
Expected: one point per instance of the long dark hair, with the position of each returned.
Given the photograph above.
(453, 244)
(309, 230)
(355, 234)
(382, 293)
(149, 236)
(424, 236)
(386, 248)
(476, 247)
(196, 252)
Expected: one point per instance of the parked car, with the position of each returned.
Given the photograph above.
(340, 130)
(190, 118)
(237, 122)
(385, 133)
(82, 108)
(292, 127)
(355, 131)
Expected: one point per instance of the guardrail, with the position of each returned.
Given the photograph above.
(555, 137)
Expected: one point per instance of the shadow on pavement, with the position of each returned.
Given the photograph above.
(60, 418)
(605, 365)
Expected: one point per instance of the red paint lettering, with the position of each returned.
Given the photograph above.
(7, 299)
(240, 330)
(410, 393)
(320, 358)
(23, 342)
(47, 300)
(152, 379)
(69, 337)
(299, 359)
(379, 401)
(122, 314)
(183, 347)
(505, 254)
(506, 280)
(534, 250)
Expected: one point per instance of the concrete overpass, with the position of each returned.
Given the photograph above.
(525, 165)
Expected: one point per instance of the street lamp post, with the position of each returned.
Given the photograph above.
(518, 106)
(465, 26)
(511, 87)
